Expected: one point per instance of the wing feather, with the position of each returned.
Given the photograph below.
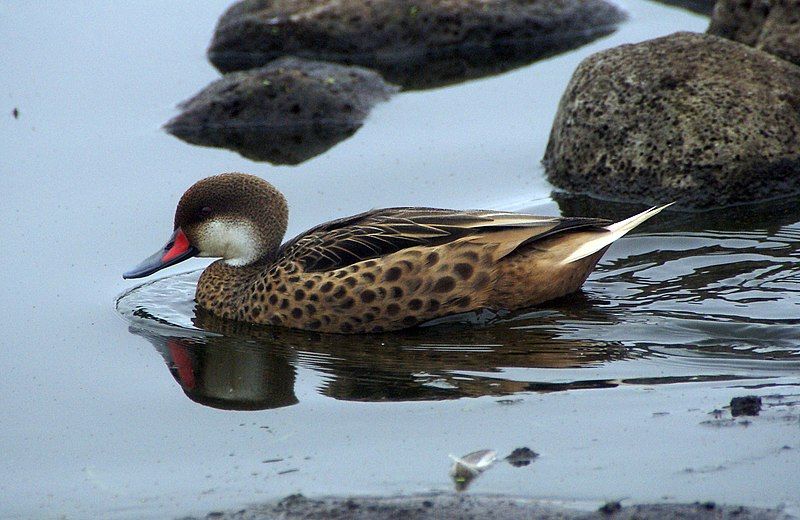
(381, 232)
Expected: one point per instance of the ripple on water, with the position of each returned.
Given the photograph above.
(673, 306)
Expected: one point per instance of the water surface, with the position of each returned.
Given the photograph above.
(165, 412)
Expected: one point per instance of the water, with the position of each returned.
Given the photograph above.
(138, 417)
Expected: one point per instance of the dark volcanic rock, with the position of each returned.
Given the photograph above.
(747, 405)
(413, 43)
(284, 113)
(770, 25)
(521, 457)
(689, 117)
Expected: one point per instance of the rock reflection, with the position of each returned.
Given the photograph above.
(248, 367)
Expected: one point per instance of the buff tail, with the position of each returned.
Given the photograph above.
(615, 232)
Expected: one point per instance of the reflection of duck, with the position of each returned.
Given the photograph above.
(241, 366)
(380, 270)
(226, 376)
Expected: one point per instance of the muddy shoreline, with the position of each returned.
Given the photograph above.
(497, 507)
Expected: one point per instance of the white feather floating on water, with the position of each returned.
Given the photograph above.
(472, 463)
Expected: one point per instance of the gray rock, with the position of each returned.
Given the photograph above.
(412, 43)
(770, 25)
(284, 113)
(688, 117)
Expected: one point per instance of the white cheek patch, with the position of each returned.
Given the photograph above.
(234, 240)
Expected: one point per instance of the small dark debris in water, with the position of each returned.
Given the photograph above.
(786, 447)
(660, 414)
(708, 505)
(521, 457)
(284, 472)
(724, 423)
(508, 402)
(15, 113)
(705, 469)
(270, 461)
(746, 405)
(609, 508)
(215, 514)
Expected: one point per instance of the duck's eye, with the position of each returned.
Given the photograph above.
(206, 211)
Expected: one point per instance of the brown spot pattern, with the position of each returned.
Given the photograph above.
(399, 290)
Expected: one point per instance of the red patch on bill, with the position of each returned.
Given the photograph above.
(180, 246)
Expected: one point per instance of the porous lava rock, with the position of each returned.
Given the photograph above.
(285, 112)
(691, 118)
(745, 405)
(413, 43)
(770, 25)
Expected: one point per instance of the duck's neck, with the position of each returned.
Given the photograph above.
(223, 288)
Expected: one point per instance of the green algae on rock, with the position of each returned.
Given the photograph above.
(412, 43)
(691, 118)
(285, 113)
(772, 26)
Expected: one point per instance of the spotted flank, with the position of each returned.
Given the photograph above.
(377, 271)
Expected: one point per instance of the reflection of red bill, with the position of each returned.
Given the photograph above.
(182, 361)
(177, 249)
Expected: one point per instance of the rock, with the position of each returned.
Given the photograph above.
(413, 43)
(284, 113)
(770, 25)
(521, 457)
(746, 405)
(688, 117)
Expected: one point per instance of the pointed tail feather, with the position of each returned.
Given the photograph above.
(615, 231)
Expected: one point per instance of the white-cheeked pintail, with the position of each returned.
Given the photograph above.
(377, 271)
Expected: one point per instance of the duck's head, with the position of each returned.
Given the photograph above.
(237, 217)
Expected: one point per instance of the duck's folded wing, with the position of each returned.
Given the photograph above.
(376, 233)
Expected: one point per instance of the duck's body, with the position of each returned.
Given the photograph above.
(378, 271)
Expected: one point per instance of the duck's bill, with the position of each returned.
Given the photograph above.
(176, 250)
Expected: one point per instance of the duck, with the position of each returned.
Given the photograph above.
(377, 271)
